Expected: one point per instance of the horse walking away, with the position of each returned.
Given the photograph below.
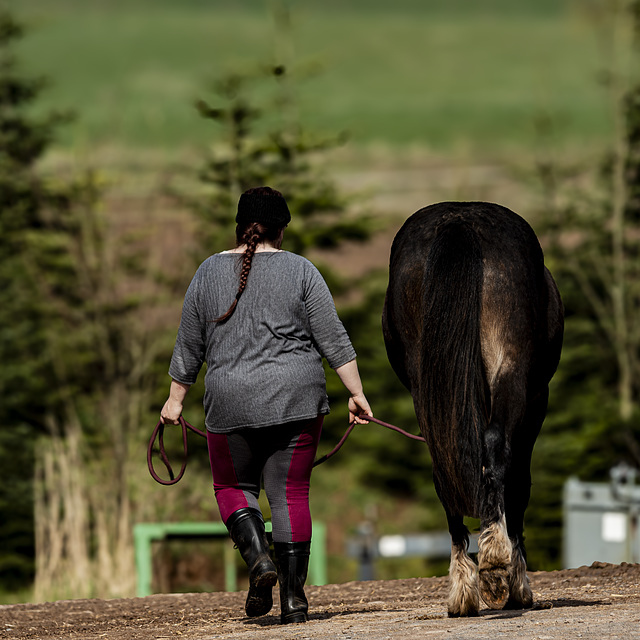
(473, 325)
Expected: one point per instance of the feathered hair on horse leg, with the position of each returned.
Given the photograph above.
(520, 594)
(464, 599)
(494, 562)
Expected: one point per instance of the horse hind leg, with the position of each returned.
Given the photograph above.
(494, 564)
(516, 499)
(494, 545)
(463, 573)
(520, 594)
(517, 494)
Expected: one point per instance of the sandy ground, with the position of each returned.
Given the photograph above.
(601, 601)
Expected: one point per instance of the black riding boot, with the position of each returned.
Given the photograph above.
(246, 528)
(293, 563)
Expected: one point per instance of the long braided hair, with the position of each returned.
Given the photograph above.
(251, 234)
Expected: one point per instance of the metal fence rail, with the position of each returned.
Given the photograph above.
(145, 534)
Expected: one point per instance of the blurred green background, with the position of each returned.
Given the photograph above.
(432, 74)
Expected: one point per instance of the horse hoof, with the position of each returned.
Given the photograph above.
(494, 587)
(513, 604)
(470, 612)
(521, 599)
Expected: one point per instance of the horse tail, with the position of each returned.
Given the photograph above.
(455, 395)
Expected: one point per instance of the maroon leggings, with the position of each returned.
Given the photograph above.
(280, 456)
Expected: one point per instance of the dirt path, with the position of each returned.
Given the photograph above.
(601, 601)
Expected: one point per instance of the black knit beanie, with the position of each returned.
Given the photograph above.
(266, 209)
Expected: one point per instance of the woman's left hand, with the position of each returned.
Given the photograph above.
(172, 409)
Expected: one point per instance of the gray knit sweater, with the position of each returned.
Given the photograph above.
(264, 364)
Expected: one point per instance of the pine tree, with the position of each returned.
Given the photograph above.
(39, 225)
(261, 141)
(248, 156)
(24, 199)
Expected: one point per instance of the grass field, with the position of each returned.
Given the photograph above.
(440, 75)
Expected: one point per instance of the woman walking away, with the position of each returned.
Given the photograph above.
(262, 319)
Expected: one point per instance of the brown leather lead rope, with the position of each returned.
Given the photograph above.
(350, 429)
(158, 433)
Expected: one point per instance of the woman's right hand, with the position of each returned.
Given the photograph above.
(358, 404)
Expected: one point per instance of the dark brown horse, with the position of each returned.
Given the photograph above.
(473, 326)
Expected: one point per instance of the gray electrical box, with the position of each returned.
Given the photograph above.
(601, 520)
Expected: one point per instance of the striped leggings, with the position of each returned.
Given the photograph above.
(280, 456)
